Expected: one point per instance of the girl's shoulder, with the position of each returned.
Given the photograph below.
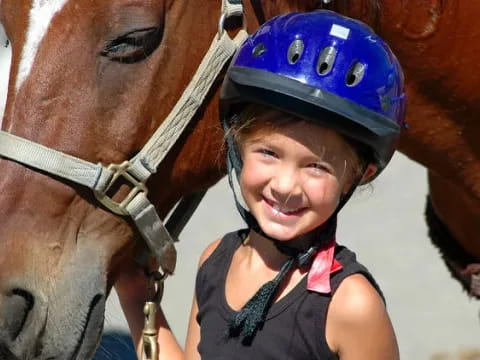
(208, 251)
(355, 291)
(351, 266)
(229, 241)
(214, 263)
(355, 299)
(356, 312)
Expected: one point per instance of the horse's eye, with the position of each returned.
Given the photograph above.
(133, 46)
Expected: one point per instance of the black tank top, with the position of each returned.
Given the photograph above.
(295, 325)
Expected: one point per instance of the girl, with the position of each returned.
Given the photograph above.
(312, 105)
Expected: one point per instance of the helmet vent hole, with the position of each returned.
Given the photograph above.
(326, 60)
(259, 50)
(323, 69)
(295, 51)
(355, 74)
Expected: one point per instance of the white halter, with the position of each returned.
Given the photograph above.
(137, 170)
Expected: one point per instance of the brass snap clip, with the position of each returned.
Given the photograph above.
(150, 333)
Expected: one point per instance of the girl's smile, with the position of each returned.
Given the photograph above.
(281, 210)
(293, 176)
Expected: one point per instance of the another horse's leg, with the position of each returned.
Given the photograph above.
(454, 224)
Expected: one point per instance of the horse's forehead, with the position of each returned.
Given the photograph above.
(39, 19)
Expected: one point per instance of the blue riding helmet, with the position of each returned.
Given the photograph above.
(324, 67)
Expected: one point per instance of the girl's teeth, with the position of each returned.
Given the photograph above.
(283, 210)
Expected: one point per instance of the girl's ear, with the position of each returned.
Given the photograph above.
(368, 174)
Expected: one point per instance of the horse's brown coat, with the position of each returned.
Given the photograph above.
(438, 44)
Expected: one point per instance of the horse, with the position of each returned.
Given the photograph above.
(429, 38)
(94, 79)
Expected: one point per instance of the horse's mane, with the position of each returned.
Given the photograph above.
(307, 5)
(275, 7)
(368, 9)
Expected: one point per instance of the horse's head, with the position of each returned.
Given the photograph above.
(93, 79)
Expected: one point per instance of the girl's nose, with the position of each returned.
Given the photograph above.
(285, 185)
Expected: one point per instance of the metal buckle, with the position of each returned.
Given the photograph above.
(221, 25)
(121, 171)
(221, 22)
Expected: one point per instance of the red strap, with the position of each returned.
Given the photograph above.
(323, 265)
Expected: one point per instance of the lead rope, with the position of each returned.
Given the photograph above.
(150, 348)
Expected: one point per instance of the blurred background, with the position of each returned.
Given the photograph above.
(433, 317)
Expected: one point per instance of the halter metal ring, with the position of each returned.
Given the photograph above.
(221, 25)
(223, 18)
(121, 171)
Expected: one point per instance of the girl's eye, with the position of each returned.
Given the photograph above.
(319, 167)
(133, 46)
(267, 152)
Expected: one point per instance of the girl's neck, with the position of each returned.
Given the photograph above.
(258, 245)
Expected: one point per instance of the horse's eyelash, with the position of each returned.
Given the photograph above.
(133, 46)
(129, 39)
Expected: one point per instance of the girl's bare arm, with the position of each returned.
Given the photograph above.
(358, 326)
